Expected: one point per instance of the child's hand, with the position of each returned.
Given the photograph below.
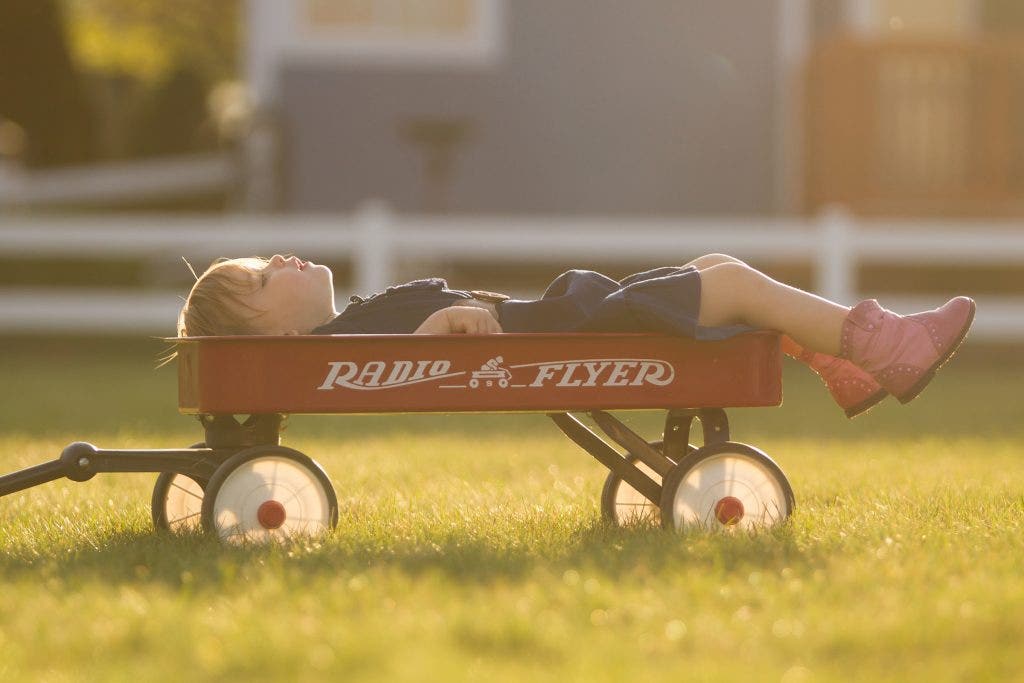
(459, 320)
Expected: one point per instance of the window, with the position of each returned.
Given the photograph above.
(398, 31)
(453, 18)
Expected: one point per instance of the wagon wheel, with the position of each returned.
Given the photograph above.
(177, 500)
(269, 493)
(725, 486)
(622, 504)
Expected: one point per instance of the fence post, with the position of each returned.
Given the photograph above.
(372, 258)
(256, 162)
(11, 177)
(835, 270)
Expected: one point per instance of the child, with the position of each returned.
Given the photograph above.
(863, 354)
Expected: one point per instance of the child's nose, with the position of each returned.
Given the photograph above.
(277, 260)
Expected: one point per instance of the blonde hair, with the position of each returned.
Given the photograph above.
(215, 306)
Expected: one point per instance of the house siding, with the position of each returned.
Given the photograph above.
(594, 107)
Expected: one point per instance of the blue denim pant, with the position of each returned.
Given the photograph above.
(660, 300)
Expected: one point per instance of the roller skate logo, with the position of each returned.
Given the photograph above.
(490, 373)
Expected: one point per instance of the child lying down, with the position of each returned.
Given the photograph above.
(863, 353)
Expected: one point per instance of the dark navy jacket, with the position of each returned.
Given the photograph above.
(396, 310)
(660, 300)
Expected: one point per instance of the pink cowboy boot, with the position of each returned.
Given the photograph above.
(903, 352)
(853, 389)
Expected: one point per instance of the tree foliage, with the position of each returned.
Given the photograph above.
(40, 90)
(149, 39)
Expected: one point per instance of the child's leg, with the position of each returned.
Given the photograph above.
(900, 352)
(852, 388)
(702, 263)
(708, 260)
(732, 292)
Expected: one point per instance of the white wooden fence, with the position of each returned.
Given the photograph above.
(378, 241)
(113, 182)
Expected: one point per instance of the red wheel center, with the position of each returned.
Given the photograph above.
(729, 510)
(271, 514)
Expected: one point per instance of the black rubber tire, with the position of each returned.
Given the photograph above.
(213, 488)
(676, 475)
(162, 487)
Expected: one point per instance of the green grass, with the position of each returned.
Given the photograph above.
(470, 547)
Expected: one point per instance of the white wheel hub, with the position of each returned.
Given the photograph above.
(270, 498)
(729, 491)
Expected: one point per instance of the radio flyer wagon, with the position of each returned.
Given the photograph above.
(242, 484)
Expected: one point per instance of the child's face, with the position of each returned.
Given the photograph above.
(294, 295)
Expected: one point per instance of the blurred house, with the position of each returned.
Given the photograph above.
(521, 106)
(918, 110)
(889, 106)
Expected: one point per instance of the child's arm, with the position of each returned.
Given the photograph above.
(459, 320)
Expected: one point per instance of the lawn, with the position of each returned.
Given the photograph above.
(471, 547)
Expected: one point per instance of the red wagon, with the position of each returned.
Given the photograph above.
(240, 483)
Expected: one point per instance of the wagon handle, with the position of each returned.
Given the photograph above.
(82, 461)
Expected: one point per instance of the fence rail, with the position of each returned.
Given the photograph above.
(376, 241)
(108, 183)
